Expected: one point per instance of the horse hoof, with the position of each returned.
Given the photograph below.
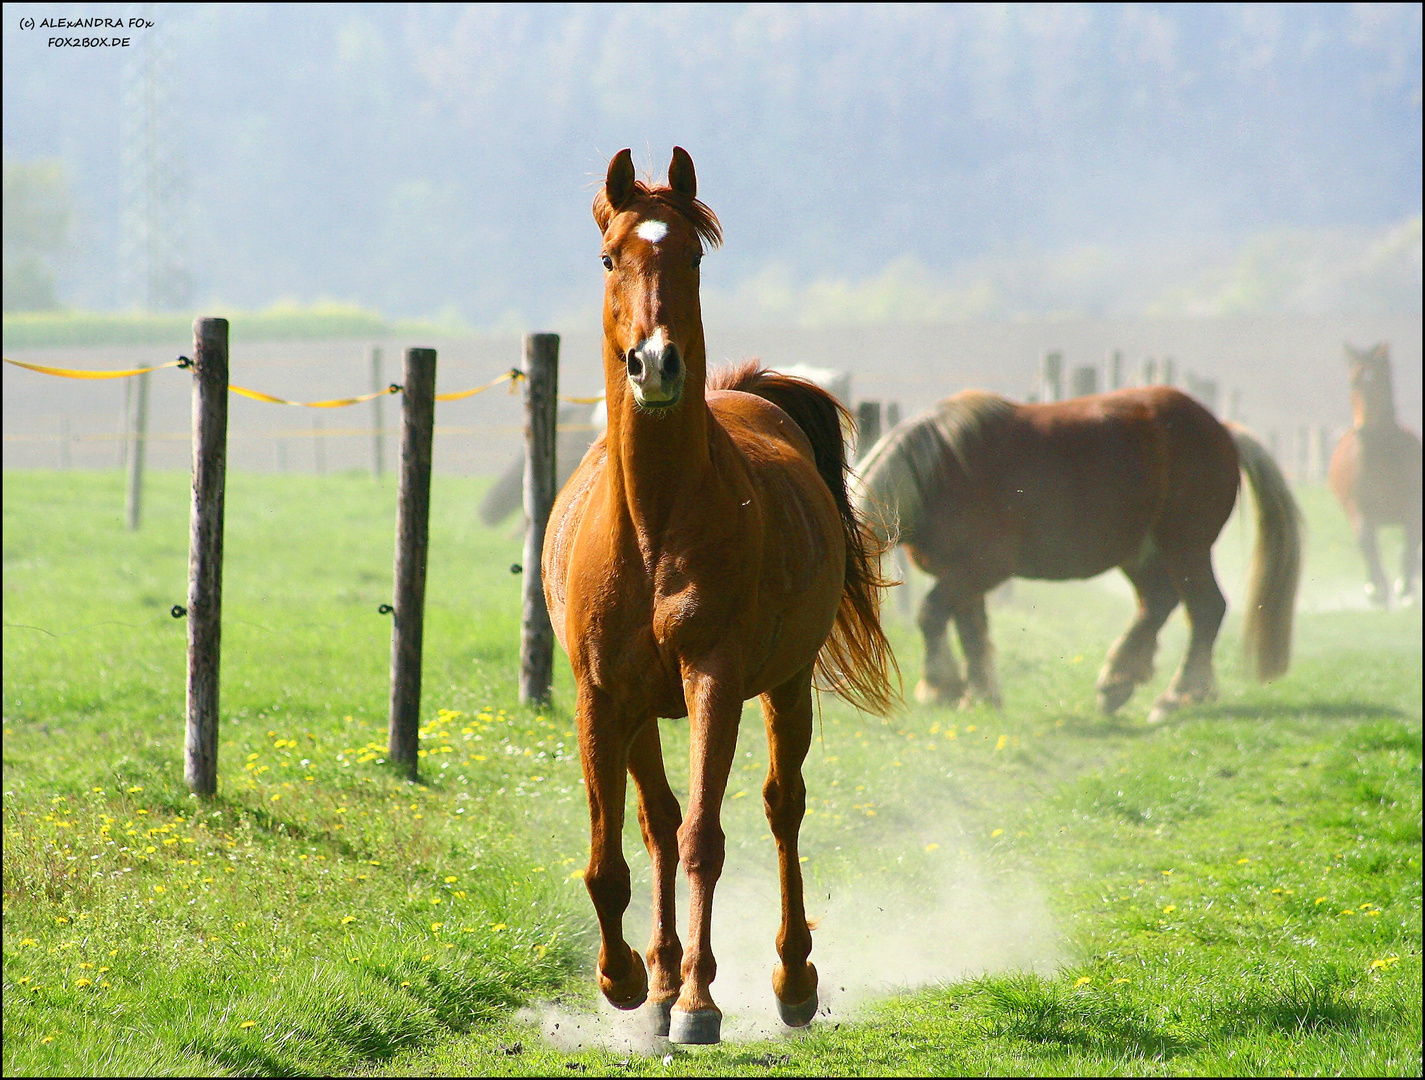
(701, 1027)
(659, 1014)
(1377, 596)
(1112, 696)
(796, 1016)
(930, 694)
(629, 993)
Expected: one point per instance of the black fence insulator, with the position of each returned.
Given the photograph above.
(178, 611)
(385, 609)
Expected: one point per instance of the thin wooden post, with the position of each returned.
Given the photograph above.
(868, 426)
(412, 542)
(1115, 370)
(541, 404)
(205, 551)
(1083, 381)
(1051, 376)
(893, 414)
(378, 435)
(138, 438)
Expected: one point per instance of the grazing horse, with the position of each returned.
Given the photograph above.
(1375, 472)
(979, 490)
(704, 552)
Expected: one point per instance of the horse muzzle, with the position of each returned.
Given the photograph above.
(655, 372)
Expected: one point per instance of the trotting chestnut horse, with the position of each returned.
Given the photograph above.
(1375, 473)
(703, 553)
(980, 489)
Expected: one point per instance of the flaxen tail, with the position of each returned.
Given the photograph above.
(1276, 561)
(856, 662)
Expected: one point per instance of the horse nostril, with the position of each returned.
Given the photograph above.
(635, 365)
(670, 362)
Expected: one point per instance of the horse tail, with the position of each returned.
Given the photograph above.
(856, 662)
(1276, 561)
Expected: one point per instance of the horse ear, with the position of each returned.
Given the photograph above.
(618, 184)
(681, 176)
(1381, 351)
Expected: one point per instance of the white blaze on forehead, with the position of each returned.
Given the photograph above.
(652, 231)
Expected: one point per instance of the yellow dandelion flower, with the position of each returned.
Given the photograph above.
(47, 1039)
(1082, 980)
(348, 919)
(1384, 962)
(1001, 742)
(997, 832)
(499, 926)
(435, 900)
(1118, 982)
(406, 983)
(1170, 909)
(23, 980)
(247, 1024)
(159, 888)
(27, 941)
(136, 789)
(451, 880)
(104, 969)
(436, 926)
(1321, 899)
(1241, 861)
(83, 982)
(61, 919)
(932, 847)
(86, 964)
(428, 956)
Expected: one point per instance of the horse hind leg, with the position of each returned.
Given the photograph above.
(787, 713)
(1130, 660)
(973, 623)
(659, 818)
(942, 683)
(1194, 681)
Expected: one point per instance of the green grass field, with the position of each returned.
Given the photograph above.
(1036, 890)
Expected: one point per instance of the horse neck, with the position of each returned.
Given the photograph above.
(1375, 411)
(652, 459)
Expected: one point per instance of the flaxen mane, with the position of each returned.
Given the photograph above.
(905, 469)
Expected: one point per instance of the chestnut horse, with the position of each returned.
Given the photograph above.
(1375, 472)
(979, 490)
(704, 552)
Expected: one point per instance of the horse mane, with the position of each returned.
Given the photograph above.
(905, 470)
(697, 213)
(856, 661)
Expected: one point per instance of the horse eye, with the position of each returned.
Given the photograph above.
(697, 260)
(608, 262)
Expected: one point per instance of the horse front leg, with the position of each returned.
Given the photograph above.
(714, 709)
(973, 623)
(1409, 565)
(942, 683)
(604, 750)
(659, 818)
(787, 713)
(1377, 590)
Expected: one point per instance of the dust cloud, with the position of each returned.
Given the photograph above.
(876, 935)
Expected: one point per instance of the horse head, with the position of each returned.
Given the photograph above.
(653, 244)
(1372, 389)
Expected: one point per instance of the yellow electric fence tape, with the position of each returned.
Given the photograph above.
(513, 374)
(334, 403)
(74, 373)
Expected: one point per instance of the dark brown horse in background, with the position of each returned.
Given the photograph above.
(1375, 473)
(979, 490)
(703, 553)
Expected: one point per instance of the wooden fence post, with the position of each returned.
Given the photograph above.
(1083, 381)
(1051, 376)
(136, 440)
(378, 436)
(541, 403)
(412, 542)
(868, 426)
(205, 551)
